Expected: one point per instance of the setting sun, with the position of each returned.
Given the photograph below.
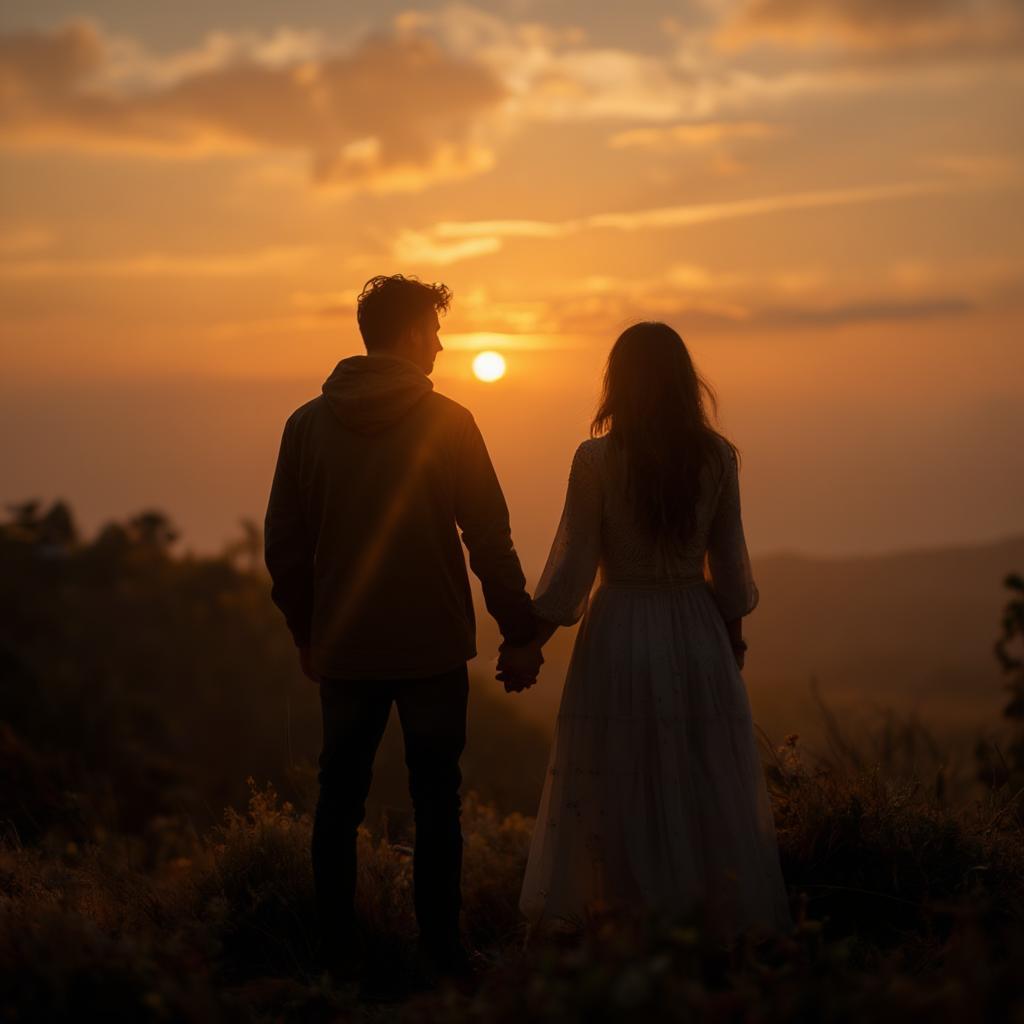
(489, 366)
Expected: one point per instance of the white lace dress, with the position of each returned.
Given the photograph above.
(655, 795)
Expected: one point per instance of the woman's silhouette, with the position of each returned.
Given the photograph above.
(655, 795)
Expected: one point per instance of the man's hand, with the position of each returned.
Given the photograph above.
(306, 661)
(518, 666)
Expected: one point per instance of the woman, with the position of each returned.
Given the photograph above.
(655, 795)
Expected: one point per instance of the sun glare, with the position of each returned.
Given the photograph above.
(489, 366)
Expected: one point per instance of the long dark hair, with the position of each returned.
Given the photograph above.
(658, 412)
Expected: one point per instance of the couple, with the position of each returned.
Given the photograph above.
(654, 797)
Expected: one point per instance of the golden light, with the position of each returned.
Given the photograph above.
(489, 366)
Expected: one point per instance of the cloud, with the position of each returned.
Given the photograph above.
(748, 301)
(475, 341)
(596, 315)
(716, 141)
(491, 234)
(696, 297)
(417, 247)
(431, 99)
(129, 66)
(332, 303)
(558, 75)
(937, 26)
(274, 260)
(866, 311)
(984, 168)
(394, 113)
(698, 135)
(25, 240)
(552, 75)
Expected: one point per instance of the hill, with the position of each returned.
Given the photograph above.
(911, 631)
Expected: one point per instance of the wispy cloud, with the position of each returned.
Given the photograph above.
(272, 260)
(25, 240)
(415, 247)
(698, 135)
(923, 26)
(476, 341)
(491, 234)
(696, 297)
(867, 311)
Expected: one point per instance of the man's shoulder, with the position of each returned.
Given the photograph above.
(448, 408)
(438, 407)
(305, 412)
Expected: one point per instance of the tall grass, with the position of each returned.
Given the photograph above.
(906, 904)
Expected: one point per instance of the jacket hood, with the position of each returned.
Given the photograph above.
(370, 393)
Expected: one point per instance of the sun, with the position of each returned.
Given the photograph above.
(489, 366)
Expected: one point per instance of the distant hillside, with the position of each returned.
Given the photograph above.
(912, 631)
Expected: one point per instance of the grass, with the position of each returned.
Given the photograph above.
(906, 906)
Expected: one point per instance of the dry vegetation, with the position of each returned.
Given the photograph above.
(905, 905)
(906, 875)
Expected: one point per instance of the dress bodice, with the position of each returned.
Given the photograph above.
(598, 531)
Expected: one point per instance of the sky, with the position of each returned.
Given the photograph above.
(824, 197)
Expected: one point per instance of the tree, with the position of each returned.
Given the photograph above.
(153, 529)
(995, 769)
(246, 551)
(1009, 650)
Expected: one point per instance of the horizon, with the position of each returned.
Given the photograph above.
(88, 531)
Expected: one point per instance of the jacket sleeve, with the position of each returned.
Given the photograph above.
(482, 516)
(287, 548)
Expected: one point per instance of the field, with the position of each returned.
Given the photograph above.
(126, 894)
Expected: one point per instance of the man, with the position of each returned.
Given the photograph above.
(374, 481)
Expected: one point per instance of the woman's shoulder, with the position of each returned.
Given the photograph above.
(723, 444)
(719, 468)
(725, 450)
(591, 452)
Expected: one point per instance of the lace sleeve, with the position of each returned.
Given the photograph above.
(568, 576)
(731, 578)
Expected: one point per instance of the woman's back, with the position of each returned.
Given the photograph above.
(628, 552)
(601, 530)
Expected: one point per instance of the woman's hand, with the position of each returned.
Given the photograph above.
(306, 661)
(739, 645)
(740, 652)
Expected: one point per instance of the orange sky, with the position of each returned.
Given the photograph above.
(825, 199)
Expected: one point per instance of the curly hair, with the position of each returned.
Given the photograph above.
(389, 306)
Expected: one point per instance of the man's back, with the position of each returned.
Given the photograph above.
(374, 480)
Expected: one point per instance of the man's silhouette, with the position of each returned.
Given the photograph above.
(374, 481)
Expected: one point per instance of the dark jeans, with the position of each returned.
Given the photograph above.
(432, 711)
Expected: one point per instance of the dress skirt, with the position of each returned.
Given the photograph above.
(655, 796)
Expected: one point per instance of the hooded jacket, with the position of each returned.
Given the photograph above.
(375, 480)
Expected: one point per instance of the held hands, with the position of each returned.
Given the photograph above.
(518, 667)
